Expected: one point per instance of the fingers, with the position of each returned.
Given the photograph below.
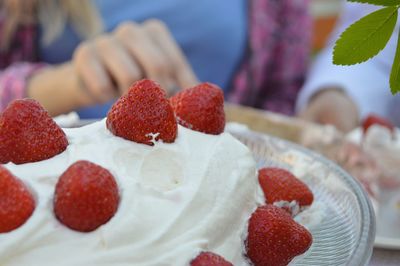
(153, 61)
(157, 53)
(334, 107)
(93, 74)
(109, 64)
(117, 61)
(180, 69)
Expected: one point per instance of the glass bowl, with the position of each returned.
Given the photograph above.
(345, 233)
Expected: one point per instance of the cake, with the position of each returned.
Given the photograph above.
(382, 142)
(172, 192)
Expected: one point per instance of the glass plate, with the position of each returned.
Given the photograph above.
(346, 231)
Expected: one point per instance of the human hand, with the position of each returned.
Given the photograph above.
(103, 68)
(110, 63)
(332, 106)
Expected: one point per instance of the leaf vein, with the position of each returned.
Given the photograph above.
(368, 37)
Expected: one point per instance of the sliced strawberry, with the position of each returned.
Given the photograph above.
(16, 202)
(29, 134)
(209, 259)
(280, 185)
(274, 238)
(143, 115)
(201, 108)
(86, 196)
(373, 119)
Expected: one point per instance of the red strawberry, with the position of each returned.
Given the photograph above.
(29, 134)
(16, 202)
(142, 112)
(201, 108)
(86, 196)
(373, 119)
(209, 259)
(274, 238)
(281, 185)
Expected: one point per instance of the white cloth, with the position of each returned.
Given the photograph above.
(366, 83)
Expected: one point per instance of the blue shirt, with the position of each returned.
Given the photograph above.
(211, 33)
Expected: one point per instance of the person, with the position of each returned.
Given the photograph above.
(79, 55)
(343, 96)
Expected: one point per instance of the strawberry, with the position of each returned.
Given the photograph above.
(201, 108)
(274, 238)
(16, 202)
(209, 259)
(142, 114)
(281, 185)
(29, 134)
(373, 119)
(86, 196)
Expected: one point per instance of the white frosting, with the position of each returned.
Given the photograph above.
(312, 216)
(376, 136)
(176, 200)
(67, 120)
(293, 206)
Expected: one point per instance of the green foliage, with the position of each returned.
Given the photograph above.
(395, 74)
(368, 36)
(378, 2)
(365, 38)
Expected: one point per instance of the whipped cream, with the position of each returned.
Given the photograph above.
(377, 136)
(176, 200)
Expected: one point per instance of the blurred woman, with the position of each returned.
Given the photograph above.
(82, 55)
(345, 95)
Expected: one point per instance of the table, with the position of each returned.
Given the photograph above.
(384, 257)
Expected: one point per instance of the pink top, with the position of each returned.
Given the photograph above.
(270, 76)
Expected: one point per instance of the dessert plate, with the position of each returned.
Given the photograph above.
(342, 222)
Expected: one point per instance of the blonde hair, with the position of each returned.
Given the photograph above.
(52, 15)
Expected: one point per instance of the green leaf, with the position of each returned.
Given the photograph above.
(378, 2)
(395, 74)
(365, 38)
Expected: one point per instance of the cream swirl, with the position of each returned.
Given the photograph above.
(176, 200)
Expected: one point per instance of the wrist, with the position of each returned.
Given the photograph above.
(56, 89)
(76, 88)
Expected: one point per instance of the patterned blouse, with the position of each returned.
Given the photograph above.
(270, 75)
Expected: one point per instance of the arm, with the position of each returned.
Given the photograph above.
(21, 76)
(55, 87)
(101, 69)
(13, 81)
(59, 89)
(341, 95)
